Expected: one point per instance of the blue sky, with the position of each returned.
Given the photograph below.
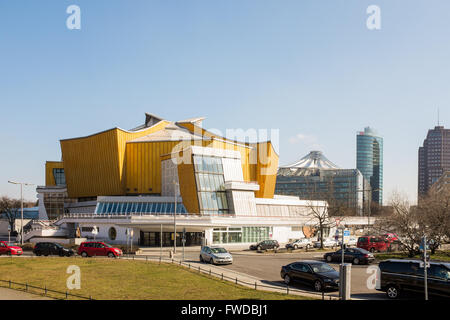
(311, 69)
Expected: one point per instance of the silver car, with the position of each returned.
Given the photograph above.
(215, 255)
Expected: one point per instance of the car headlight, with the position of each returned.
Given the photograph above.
(327, 280)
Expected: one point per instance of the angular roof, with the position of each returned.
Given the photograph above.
(313, 160)
(171, 132)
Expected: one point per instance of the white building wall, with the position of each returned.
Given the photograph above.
(232, 169)
(283, 234)
(244, 203)
(103, 233)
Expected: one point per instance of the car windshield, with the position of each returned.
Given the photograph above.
(218, 250)
(107, 245)
(363, 251)
(321, 268)
(58, 245)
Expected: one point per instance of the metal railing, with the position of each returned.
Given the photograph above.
(41, 291)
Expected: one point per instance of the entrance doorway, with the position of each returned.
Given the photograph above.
(153, 239)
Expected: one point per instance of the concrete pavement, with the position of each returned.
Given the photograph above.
(10, 294)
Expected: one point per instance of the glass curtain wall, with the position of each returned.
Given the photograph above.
(210, 185)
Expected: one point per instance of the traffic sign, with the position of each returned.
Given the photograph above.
(422, 264)
(9, 228)
(94, 230)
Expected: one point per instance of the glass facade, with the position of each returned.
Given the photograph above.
(241, 234)
(130, 208)
(369, 160)
(60, 177)
(210, 185)
(346, 187)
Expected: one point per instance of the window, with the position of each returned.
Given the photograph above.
(60, 178)
(112, 233)
(210, 185)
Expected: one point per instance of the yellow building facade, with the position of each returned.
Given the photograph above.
(119, 162)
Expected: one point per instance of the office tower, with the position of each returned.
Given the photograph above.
(369, 160)
(434, 158)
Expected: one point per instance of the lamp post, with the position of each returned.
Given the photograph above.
(175, 217)
(21, 205)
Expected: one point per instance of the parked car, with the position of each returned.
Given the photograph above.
(353, 255)
(10, 249)
(320, 275)
(91, 248)
(397, 277)
(300, 243)
(51, 248)
(390, 237)
(327, 243)
(373, 243)
(265, 244)
(215, 255)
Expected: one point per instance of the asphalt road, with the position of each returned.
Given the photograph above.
(267, 266)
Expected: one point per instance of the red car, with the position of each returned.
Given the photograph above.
(5, 248)
(93, 248)
(373, 243)
(390, 237)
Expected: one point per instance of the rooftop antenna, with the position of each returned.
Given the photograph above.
(438, 117)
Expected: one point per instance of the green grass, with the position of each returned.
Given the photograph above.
(128, 280)
(439, 255)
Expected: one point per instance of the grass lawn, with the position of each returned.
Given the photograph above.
(439, 255)
(126, 280)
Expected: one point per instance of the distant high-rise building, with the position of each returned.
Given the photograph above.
(434, 158)
(369, 160)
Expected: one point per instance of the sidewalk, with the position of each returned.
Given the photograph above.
(10, 294)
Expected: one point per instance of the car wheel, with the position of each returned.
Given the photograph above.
(259, 248)
(287, 279)
(308, 246)
(211, 260)
(201, 259)
(318, 285)
(46, 254)
(356, 261)
(38, 254)
(295, 247)
(372, 250)
(392, 292)
(111, 255)
(329, 259)
(84, 254)
(8, 253)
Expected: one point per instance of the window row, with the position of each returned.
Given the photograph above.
(208, 164)
(138, 207)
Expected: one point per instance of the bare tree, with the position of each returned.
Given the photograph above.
(434, 221)
(319, 217)
(404, 221)
(9, 208)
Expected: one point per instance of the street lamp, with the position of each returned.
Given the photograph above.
(175, 217)
(21, 205)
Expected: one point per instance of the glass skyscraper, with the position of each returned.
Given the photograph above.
(369, 160)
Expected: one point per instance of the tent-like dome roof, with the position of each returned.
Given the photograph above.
(313, 160)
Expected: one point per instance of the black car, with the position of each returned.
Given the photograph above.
(51, 248)
(320, 275)
(397, 277)
(265, 244)
(353, 255)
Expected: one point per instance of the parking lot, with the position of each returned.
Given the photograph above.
(267, 266)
